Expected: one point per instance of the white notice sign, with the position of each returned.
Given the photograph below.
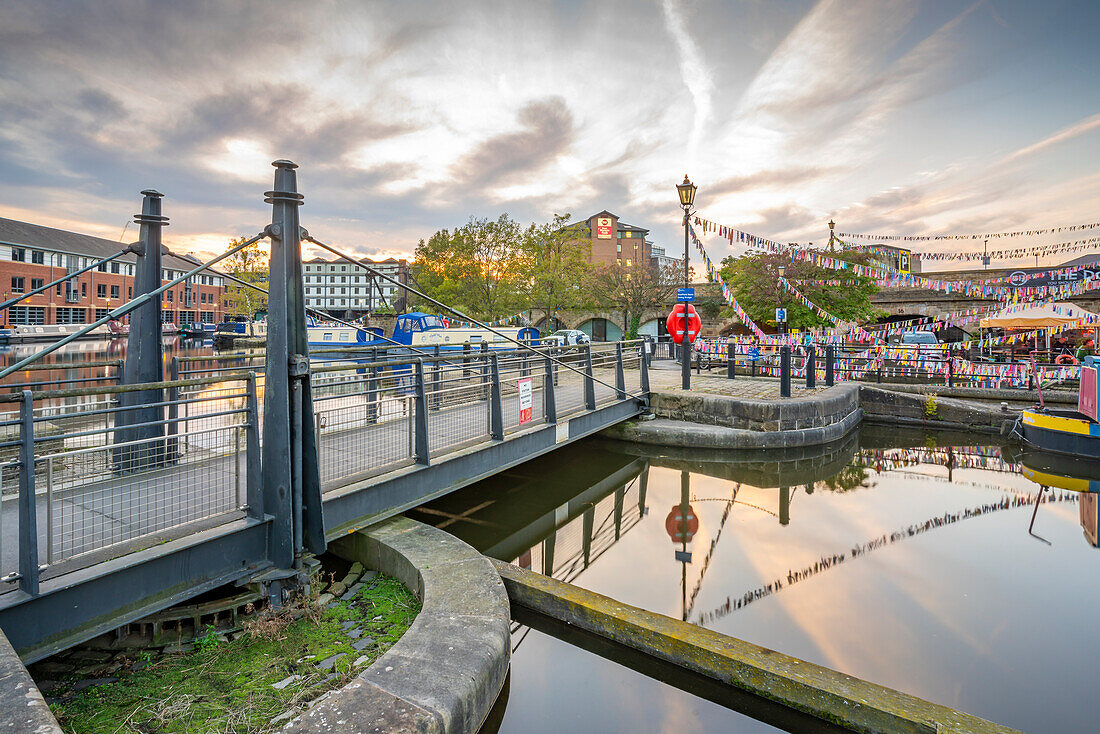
(526, 400)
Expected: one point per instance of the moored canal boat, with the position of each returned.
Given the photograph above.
(1066, 431)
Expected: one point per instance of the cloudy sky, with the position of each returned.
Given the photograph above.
(900, 116)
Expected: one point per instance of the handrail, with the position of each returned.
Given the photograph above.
(79, 392)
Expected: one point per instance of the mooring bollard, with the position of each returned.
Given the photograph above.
(731, 360)
(811, 366)
(830, 358)
(785, 371)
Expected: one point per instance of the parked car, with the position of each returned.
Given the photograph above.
(567, 337)
(923, 343)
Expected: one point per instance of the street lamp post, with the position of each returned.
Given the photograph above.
(686, 190)
(782, 299)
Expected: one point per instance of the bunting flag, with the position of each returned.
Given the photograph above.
(727, 293)
(893, 279)
(855, 328)
(989, 236)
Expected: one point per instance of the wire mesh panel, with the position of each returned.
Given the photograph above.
(604, 365)
(457, 392)
(569, 385)
(112, 478)
(363, 421)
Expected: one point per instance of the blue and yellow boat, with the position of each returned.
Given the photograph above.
(1066, 431)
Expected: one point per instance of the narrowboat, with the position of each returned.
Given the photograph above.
(1066, 431)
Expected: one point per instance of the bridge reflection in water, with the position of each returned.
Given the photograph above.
(883, 548)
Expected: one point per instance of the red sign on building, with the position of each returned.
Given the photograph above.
(603, 228)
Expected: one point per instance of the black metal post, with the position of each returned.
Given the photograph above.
(173, 411)
(589, 384)
(784, 506)
(731, 360)
(289, 425)
(950, 369)
(811, 366)
(496, 403)
(830, 358)
(421, 447)
(28, 514)
(685, 352)
(620, 376)
(644, 378)
(549, 402)
(785, 371)
(144, 350)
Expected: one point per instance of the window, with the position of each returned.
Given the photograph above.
(630, 263)
(618, 247)
(130, 292)
(58, 289)
(114, 291)
(207, 317)
(167, 317)
(101, 290)
(71, 315)
(17, 285)
(102, 267)
(83, 290)
(169, 294)
(115, 268)
(38, 257)
(27, 315)
(100, 313)
(36, 283)
(19, 254)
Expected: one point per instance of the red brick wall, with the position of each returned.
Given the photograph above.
(51, 300)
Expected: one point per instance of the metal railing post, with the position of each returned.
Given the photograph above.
(643, 381)
(484, 358)
(830, 358)
(253, 496)
(731, 360)
(950, 369)
(49, 510)
(549, 401)
(620, 375)
(466, 349)
(785, 371)
(589, 384)
(421, 446)
(811, 366)
(173, 411)
(437, 380)
(28, 516)
(496, 403)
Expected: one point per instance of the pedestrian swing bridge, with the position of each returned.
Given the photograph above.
(124, 499)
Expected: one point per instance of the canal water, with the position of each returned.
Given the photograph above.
(900, 557)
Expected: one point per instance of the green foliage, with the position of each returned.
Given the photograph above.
(227, 687)
(631, 290)
(754, 280)
(480, 268)
(250, 265)
(635, 323)
(931, 407)
(557, 267)
(209, 640)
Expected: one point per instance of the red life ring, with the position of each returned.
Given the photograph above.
(1065, 359)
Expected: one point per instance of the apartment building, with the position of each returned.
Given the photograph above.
(348, 291)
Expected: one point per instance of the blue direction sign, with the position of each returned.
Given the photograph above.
(685, 295)
(780, 315)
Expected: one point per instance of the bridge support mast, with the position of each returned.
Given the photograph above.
(144, 352)
(291, 477)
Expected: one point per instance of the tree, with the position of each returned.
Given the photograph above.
(557, 260)
(754, 280)
(632, 289)
(478, 268)
(250, 264)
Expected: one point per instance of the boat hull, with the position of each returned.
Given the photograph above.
(1062, 434)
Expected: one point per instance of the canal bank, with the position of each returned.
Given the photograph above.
(750, 413)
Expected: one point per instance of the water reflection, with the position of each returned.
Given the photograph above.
(900, 557)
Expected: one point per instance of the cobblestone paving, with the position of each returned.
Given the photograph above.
(751, 388)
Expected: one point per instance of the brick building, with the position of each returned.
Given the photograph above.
(32, 255)
(614, 241)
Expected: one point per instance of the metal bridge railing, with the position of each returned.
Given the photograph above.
(107, 480)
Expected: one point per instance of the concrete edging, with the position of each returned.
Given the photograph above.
(665, 432)
(22, 708)
(445, 673)
(816, 690)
